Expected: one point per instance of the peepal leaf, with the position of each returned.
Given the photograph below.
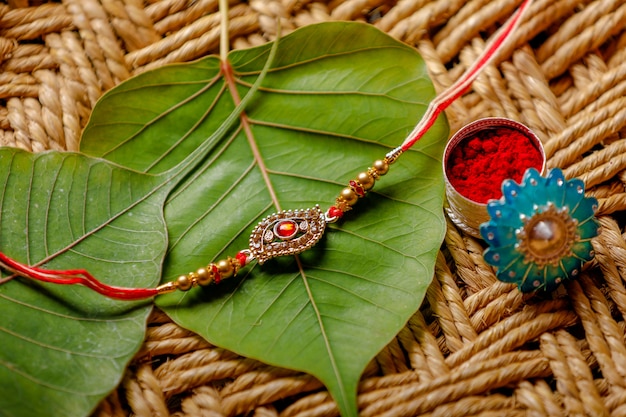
(337, 97)
(64, 348)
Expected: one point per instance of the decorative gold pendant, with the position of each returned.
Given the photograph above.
(288, 232)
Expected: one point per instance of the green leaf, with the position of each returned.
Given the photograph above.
(64, 348)
(337, 97)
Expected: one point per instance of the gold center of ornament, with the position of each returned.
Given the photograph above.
(547, 236)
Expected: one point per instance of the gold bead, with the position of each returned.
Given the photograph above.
(184, 282)
(226, 269)
(366, 180)
(381, 167)
(205, 277)
(349, 196)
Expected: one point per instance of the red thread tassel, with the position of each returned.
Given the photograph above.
(76, 277)
(442, 101)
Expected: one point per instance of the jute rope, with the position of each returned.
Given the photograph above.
(477, 346)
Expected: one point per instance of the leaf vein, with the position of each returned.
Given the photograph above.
(207, 85)
(65, 316)
(325, 338)
(352, 293)
(322, 57)
(39, 381)
(189, 131)
(203, 215)
(52, 347)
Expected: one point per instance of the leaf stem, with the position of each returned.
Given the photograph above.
(224, 36)
(190, 163)
(256, 152)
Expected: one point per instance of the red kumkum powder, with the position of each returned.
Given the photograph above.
(478, 165)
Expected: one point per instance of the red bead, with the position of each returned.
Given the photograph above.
(242, 258)
(217, 277)
(286, 229)
(335, 212)
(356, 187)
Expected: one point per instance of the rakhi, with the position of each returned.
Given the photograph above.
(288, 232)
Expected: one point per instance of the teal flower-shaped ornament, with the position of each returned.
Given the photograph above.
(540, 230)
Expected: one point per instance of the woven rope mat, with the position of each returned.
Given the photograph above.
(477, 346)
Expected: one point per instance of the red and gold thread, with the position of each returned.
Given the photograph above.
(213, 273)
(358, 188)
